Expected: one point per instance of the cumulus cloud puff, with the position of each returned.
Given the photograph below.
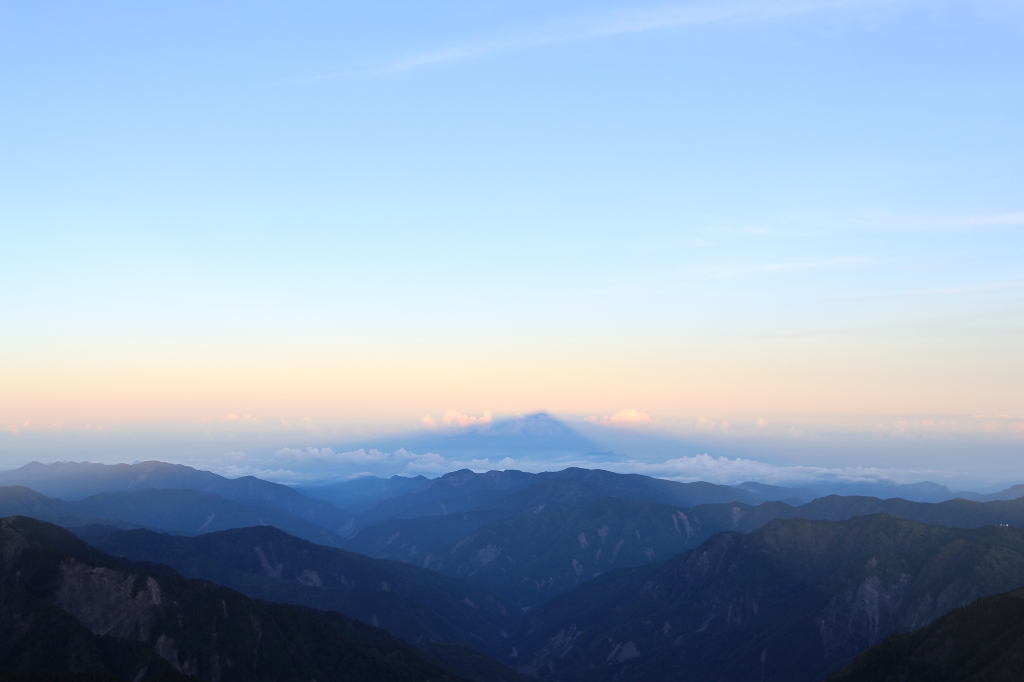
(359, 456)
(455, 418)
(627, 417)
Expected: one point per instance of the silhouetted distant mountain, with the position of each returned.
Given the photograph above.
(361, 493)
(21, 501)
(925, 491)
(794, 600)
(69, 607)
(507, 492)
(983, 642)
(77, 480)
(1011, 493)
(957, 513)
(176, 511)
(777, 493)
(263, 562)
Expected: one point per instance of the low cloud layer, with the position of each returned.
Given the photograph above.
(401, 461)
(704, 467)
(313, 464)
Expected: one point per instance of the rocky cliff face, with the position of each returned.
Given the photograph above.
(132, 620)
(794, 600)
(983, 642)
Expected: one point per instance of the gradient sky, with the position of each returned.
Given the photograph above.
(791, 217)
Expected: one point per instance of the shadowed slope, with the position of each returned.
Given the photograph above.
(413, 603)
(983, 642)
(68, 606)
(793, 600)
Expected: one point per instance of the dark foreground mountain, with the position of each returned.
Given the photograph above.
(77, 480)
(66, 606)
(794, 600)
(983, 642)
(175, 511)
(413, 603)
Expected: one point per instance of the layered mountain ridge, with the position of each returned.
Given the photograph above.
(68, 606)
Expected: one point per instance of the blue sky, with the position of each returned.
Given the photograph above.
(802, 213)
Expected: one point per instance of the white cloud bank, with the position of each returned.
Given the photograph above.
(727, 471)
(700, 467)
(400, 461)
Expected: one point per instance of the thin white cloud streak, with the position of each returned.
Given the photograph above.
(775, 268)
(962, 222)
(635, 21)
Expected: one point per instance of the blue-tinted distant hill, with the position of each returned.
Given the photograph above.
(77, 480)
(186, 512)
(506, 493)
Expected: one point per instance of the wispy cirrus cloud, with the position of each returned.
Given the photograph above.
(896, 221)
(631, 21)
(775, 268)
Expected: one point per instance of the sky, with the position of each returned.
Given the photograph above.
(787, 232)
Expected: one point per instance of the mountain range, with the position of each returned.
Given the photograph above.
(175, 511)
(78, 480)
(573, 574)
(413, 603)
(67, 606)
(983, 642)
(544, 549)
(793, 600)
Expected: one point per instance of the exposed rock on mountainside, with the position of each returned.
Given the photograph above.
(793, 600)
(413, 603)
(68, 606)
(533, 557)
(983, 642)
(537, 551)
